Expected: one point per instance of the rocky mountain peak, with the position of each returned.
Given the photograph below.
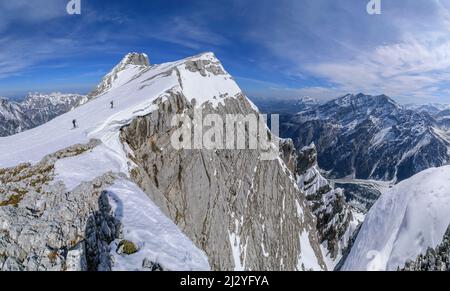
(136, 59)
(335, 222)
(307, 158)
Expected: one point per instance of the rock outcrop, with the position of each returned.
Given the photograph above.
(335, 221)
(138, 60)
(44, 227)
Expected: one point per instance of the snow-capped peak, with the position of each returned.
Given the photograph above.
(55, 96)
(361, 99)
(132, 62)
(133, 89)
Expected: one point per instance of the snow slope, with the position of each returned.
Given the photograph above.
(133, 88)
(408, 219)
(139, 87)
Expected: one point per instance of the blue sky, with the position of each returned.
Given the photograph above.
(275, 49)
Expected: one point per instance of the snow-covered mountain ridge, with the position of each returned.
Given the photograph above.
(98, 121)
(226, 209)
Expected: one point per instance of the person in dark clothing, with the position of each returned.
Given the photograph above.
(112, 104)
(74, 122)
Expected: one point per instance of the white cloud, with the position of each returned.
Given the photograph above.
(26, 11)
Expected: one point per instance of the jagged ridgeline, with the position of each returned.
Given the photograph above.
(112, 194)
(437, 259)
(35, 110)
(371, 137)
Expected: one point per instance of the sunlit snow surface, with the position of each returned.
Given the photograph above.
(404, 222)
(156, 236)
(133, 92)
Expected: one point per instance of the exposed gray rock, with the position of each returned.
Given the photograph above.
(245, 212)
(437, 259)
(132, 59)
(328, 204)
(35, 110)
(205, 66)
(76, 258)
(224, 200)
(151, 266)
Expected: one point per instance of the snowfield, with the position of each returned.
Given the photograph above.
(157, 237)
(408, 219)
(133, 88)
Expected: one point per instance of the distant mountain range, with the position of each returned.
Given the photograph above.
(119, 196)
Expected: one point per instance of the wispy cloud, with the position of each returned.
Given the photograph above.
(320, 48)
(24, 11)
(189, 33)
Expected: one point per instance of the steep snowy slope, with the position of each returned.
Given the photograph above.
(284, 106)
(35, 110)
(407, 220)
(117, 154)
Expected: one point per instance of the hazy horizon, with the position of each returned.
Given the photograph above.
(282, 49)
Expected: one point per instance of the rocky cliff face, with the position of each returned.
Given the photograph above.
(84, 207)
(35, 110)
(245, 213)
